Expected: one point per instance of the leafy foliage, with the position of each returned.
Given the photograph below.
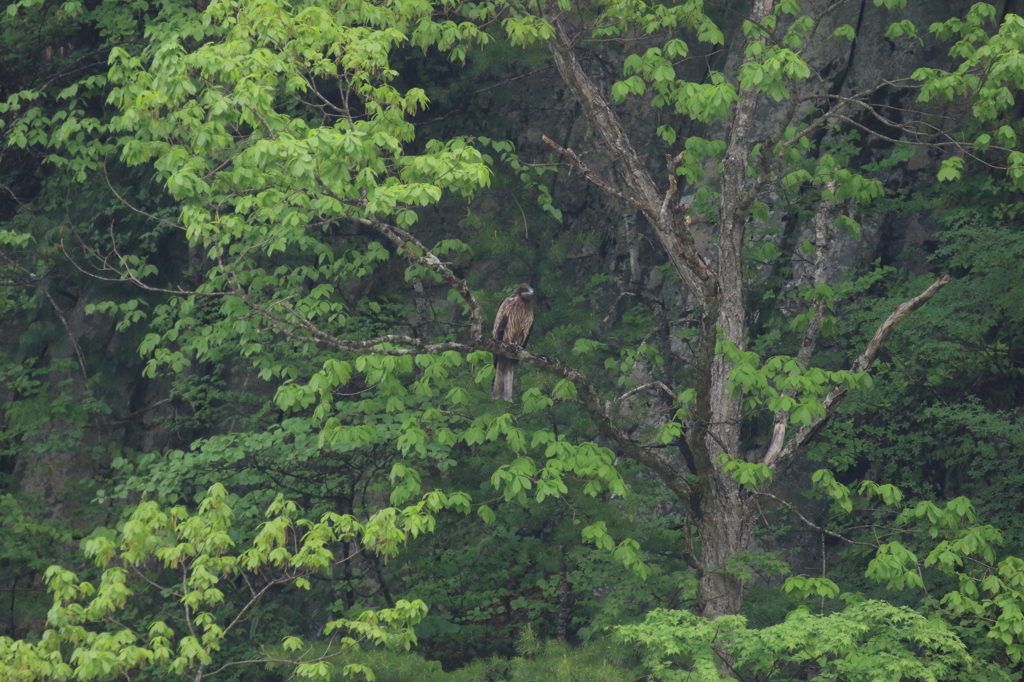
(269, 179)
(192, 557)
(867, 640)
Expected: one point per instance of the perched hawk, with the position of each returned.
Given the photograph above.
(512, 325)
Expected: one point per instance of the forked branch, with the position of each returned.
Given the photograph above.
(779, 459)
(643, 192)
(823, 230)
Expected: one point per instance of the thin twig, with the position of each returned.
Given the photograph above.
(653, 384)
(808, 522)
(56, 308)
(577, 162)
(137, 210)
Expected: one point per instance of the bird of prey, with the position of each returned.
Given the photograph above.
(512, 325)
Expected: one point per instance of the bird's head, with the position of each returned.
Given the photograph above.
(524, 291)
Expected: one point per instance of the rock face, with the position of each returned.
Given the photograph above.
(603, 236)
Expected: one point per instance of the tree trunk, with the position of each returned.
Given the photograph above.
(723, 510)
(723, 520)
(724, 523)
(564, 597)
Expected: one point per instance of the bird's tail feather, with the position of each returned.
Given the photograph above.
(504, 374)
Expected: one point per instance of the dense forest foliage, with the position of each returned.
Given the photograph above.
(767, 425)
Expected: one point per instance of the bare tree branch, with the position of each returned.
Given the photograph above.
(673, 233)
(577, 162)
(137, 210)
(820, 529)
(425, 257)
(785, 456)
(419, 253)
(654, 384)
(36, 279)
(822, 255)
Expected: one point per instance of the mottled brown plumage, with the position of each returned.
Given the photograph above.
(512, 325)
